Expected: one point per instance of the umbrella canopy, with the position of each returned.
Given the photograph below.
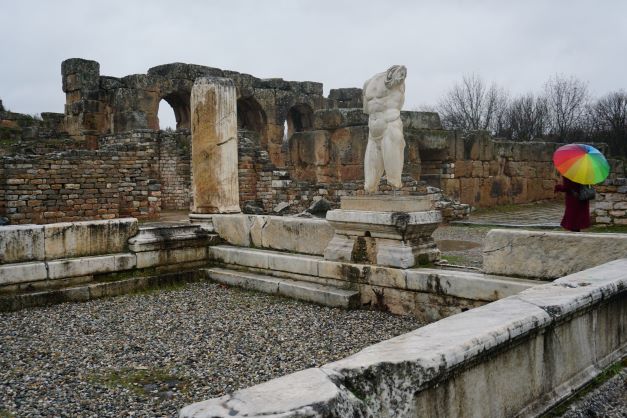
(581, 163)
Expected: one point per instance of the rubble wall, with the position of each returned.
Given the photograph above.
(610, 204)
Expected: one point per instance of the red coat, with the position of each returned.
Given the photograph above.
(577, 213)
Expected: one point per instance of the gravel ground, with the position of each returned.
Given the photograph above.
(608, 400)
(150, 354)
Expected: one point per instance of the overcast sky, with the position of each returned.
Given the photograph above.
(517, 44)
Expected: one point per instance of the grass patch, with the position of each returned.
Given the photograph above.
(621, 229)
(141, 380)
(454, 259)
(6, 414)
(561, 408)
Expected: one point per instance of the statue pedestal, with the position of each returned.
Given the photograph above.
(392, 231)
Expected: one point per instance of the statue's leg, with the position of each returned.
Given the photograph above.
(393, 148)
(373, 166)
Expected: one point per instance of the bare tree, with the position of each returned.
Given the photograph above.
(566, 99)
(472, 105)
(608, 117)
(527, 118)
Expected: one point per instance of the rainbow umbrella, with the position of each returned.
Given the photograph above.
(581, 163)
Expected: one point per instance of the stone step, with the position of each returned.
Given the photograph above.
(310, 292)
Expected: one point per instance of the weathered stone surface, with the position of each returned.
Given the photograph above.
(310, 148)
(469, 285)
(310, 292)
(22, 272)
(307, 393)
(421, 120)
(85, 266)
(78, 239)
(240, 256)
(394, 239)
(375, 203)
(170, 257)
(307, 236)
(548, 255)
(169, 237)
(21, 243)
(214, 146)
(339, 118)
(234, 228)
(346, 98)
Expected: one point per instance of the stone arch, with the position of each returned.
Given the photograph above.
(179, 100)
(299, 119)
(251, 117)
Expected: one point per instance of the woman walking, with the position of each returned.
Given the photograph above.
(577, 213)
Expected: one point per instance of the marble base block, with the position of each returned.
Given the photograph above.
(387, 238)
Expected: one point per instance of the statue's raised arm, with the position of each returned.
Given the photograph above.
(383, 97)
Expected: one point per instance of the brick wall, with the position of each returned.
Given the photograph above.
(120, 179)
(71, 186)
(175, 170)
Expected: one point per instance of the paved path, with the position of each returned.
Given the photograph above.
(537, 215)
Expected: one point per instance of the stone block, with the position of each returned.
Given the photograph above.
(234, 228)
(22, 272)
(339, 118)
(310, 148)
(293, 264)
(294, 393)
(239, 256)
(169, 237)
(386, 277)
(467, 285)
(78, 239)
(170, 257)
(87, 266)
(301, 235)
(548, 255)
(346, 98)
(348, 146)
(420, 120)
(19, 243)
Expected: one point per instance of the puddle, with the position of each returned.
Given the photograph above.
(456, 245)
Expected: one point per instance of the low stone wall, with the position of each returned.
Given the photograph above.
(610, 205)
(44, 257)
(548, 255)
(514, 357)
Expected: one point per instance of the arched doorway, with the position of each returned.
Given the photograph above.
(166, 116)
(179, 101)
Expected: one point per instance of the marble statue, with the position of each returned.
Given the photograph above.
(383, 97)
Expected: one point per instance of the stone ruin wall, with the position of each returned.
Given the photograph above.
(610, 204)
(112, 122)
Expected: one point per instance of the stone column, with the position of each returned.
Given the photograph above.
(215, 186)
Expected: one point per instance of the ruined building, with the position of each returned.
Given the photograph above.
(105, 157)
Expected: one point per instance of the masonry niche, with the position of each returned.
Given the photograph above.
(215, 185)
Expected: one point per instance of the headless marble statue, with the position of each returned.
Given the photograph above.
(383, 96)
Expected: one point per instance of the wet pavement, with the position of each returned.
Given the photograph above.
(528, 215)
